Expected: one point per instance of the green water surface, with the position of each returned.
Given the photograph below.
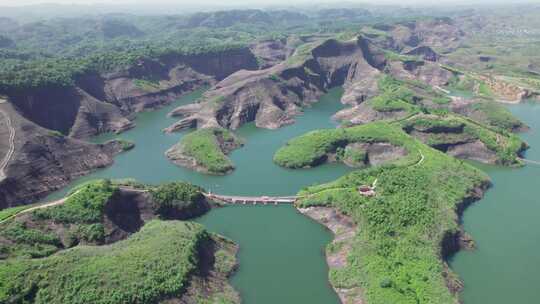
(505, 225)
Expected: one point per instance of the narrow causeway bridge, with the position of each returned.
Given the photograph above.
(254, 200)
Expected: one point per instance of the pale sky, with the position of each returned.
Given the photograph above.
(256, 2)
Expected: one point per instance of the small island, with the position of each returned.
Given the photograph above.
(205, 150)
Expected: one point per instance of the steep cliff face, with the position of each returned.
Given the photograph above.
(70, 111)
(425, 71)
(271, 97)
(272, 52)
(51, 108)
(43, 161)
(129, 209)
(439, 33)
(153, 82)
(102, 102)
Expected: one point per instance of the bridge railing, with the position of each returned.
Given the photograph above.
(252, 199)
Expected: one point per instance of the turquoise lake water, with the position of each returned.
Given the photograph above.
(281, 251)
(505, 225)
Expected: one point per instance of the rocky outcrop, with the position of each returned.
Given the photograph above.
(364, 154)
(100, 103)
(70, 111)
(465, 140)
(50, 121)
(440, 33)
(129, 208)
(379, 153)
(505, 91)
(96, 117)
(474, 150)
(271, 52)
(154, 82)
(454, 241)
(44, 160)
(425, 52)
(272, 97)
(364, 113)
(456, 142)
(424, 71)
(211, 279)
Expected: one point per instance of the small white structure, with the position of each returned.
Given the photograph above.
(366, 190)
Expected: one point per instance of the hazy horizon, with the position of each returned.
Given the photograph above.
(252, 3)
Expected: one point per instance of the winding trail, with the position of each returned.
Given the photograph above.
(422, 157)
(11, 150)
(46, 205)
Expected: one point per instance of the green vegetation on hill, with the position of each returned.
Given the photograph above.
(452, 128)
(54, 52)
(302, 53)
(25, 241)
(178, 198)
(149, 266)
(81, 215)
(461, 82)
(395, 255)
(484, 90)
(393, 56)
(470, 84)
(43, 258)
(126, 144)
(84, 206)
(18, 76)
(208, 147)
(395, 96)
(496, 115)
(511, 49)
(9, 212)
(312, 148)
(147, 85)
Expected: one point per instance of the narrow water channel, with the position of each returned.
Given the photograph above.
(281, 251)
(506, 228)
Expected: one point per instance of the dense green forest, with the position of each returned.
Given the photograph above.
(55, 51)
